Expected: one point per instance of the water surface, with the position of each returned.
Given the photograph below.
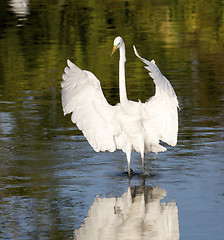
(51, 181)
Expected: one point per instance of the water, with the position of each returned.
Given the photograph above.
(51, 181)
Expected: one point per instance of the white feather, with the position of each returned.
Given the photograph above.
(161, 116)
(128, 125)
(82, 95)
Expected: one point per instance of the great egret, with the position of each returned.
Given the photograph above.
(128, 125)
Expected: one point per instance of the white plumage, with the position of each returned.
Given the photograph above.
(128, 125)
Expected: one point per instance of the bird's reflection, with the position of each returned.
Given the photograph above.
(137, 214)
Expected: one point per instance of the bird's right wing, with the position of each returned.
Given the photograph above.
(94, 116)
(161, 121)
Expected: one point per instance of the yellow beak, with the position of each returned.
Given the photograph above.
(113, 50)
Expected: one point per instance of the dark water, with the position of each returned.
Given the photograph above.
(49, 175)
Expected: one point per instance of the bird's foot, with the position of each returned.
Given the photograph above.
(145, 174)
(129, 173)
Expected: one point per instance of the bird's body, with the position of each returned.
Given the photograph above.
(128, 125)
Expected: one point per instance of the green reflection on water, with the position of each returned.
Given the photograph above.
(186, 39)
(180, 36)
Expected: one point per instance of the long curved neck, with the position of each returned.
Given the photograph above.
(122, 85)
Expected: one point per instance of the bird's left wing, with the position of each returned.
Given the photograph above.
(94, 116)
(161, 121)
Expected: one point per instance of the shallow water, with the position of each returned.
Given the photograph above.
(51, 181)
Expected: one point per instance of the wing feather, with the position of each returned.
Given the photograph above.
(161, 116)
(94, 116)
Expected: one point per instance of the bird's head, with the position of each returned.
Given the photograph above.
(118, 41)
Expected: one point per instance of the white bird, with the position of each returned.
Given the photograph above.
(128, 125)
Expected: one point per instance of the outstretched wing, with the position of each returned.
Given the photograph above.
(94, 116)
(161, 121)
